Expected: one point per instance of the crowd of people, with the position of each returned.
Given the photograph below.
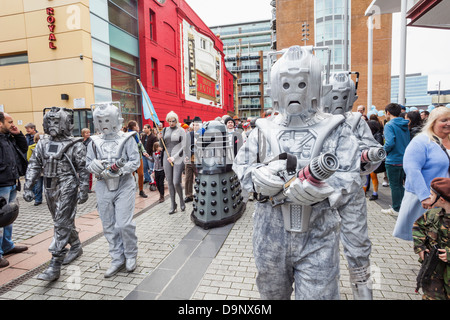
(417, 144)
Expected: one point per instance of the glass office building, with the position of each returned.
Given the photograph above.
(416, 90)
(115, 54)
(329, 31)
(246, 46)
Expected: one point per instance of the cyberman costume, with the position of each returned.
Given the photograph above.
(296, 227)
(353, 207)
(61, 159)
(113, 156)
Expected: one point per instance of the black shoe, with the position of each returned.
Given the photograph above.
(373, 197)
(142, 194)
(188, 199)
(37, 203)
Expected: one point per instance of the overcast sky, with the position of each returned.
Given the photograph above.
(427, 49)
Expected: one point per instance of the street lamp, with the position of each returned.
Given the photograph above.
(305, 32)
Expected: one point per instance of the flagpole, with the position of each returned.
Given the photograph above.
(153, 117)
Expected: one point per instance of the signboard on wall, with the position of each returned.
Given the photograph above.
(206, 87)
(202, 64)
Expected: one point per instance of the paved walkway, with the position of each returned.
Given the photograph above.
(178, 260)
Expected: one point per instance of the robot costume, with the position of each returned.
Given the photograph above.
(296, 227)
(113, 156)
(353, 207)
(60, 157)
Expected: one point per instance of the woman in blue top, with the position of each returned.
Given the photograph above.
(426, 158)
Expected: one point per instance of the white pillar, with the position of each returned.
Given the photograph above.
(402, 75)
(369, 62)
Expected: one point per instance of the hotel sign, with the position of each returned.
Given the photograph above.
(51, 26)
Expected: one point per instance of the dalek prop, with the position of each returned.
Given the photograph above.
(218, 199)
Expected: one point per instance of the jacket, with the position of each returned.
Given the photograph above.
(396, 134)
(9, 158)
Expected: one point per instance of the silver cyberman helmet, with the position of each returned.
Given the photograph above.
(343, 95)
(58, 122)
(295, 83)
(107, 117)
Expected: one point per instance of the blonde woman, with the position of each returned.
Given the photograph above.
(174, 140)
(426, 158)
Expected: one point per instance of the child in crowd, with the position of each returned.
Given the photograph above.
(158, 170)
(433, 228)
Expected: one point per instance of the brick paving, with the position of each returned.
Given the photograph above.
(229, 276)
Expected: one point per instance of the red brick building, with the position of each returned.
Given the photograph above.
(182, 62)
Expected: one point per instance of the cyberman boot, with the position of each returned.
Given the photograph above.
(53, 272)
(73, 253)
(361, 283)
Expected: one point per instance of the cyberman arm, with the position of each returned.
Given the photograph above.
(347, 179)
(254, 175)
(35, 165)
(79, 162)
(131, 153)
(372, 153)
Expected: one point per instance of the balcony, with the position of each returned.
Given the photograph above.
(249, 81)
(249, 94)
(249, 107)
(245, 68)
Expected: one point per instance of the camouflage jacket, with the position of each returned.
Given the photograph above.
(431, 229)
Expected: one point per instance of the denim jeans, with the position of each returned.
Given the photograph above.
(148, 168)
(6, 243)
(396, 176)
(37, 189)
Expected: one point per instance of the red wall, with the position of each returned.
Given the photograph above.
(168, 96)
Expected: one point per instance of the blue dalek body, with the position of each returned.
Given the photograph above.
(218, 198)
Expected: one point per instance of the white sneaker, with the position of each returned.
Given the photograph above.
(385, 184)
(389, 211)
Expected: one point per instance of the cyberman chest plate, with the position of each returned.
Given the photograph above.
(303, 142)
(111, 150)
(57, 156)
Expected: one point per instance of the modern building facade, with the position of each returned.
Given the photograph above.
(182, 61)
(416, 90)
(321, 23)
(72, 54)
(246, 46)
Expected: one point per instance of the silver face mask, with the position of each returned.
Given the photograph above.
(107, 118)
(341, 98)
(295, 82)
(58, 122)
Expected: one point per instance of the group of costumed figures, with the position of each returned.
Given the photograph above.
(303, 164)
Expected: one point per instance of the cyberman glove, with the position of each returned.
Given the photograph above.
(97, 166)
(266, 180)
(28, 195)
(108, 174)
(306, 193)
(82, 197)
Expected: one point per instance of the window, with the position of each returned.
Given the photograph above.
(122, 19)
(152, 25)
(154, 72)
(13, 59)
